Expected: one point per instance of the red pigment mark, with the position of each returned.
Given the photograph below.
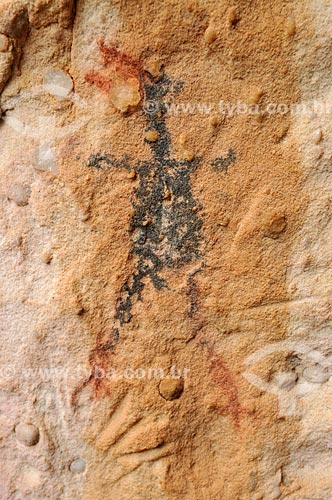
(223, 377)
(193, 294)
(121, 64)
(99, 361)
(124, 64)
(197, 319)
(100, 81)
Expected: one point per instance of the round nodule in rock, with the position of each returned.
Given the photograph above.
(171, 388)
(27, 434)
(19, 194)
(58, 83)
(77, 466)
(274, 224)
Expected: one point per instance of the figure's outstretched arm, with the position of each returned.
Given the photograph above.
(221, 164)
(104, 161)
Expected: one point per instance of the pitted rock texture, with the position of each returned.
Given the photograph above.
(165, 255)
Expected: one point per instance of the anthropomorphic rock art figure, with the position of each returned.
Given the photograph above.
(165, 230)
(166, 224)
(126, 250)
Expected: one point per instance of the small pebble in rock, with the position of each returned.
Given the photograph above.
(84, 217)
(47, 256)
(58, 83)
(224, 221)
(171, 388)
(167, 194)
(151, 135)
(259, 117)
(188, 155)
(153, 67)
(77, 466)
(274, 224)
(132, 174)
(19, 194)
(317, 136)
(232, 16)
(80, 310)
(214, 121)
(4, 43)
(183, 138)
(27, 434)
(255, 97)
(210, 34)
(290, 26)
(124, 93)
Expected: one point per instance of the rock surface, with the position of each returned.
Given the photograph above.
(165, 250)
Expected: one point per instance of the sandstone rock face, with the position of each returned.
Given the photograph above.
(165, 250)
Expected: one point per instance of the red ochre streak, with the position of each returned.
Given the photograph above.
(223, 377)
(121, 64)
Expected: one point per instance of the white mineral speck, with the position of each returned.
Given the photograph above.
(78, 466)
(46, 159)
(58, 83)
(19, 194)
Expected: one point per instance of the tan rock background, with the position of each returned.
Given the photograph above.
(243, 246)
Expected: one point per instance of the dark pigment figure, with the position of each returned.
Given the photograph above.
(166, 225)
